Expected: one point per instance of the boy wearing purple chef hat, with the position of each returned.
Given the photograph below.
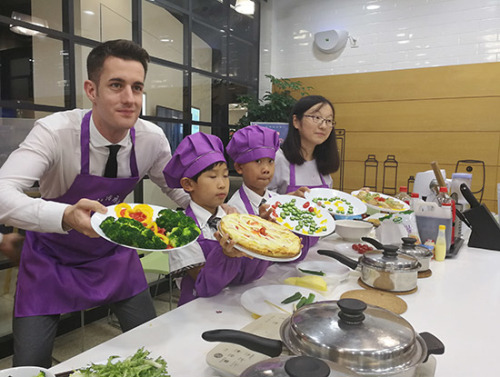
(212, 263)
(253, 150)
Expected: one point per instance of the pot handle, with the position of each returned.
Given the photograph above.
(434, 345)
(374, 242)
(340, 257)
(266, 346)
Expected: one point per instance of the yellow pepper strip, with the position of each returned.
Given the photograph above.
(146, 210)
(120, 207)
(164, 238)
(154, 227)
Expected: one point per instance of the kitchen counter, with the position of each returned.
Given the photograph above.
(459, 303)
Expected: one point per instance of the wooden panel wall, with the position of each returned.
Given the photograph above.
(442, 114)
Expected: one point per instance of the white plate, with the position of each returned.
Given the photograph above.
(254, 300)
(98, 218)
(324, 219)
(25, 372)
(333, 270)
(260, 256)
(406, 206)
(341, 203)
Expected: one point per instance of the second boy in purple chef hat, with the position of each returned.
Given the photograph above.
(212, 263)
(253, 149)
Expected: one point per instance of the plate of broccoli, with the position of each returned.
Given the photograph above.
(145, 227)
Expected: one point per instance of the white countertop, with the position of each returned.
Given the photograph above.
(459, 303)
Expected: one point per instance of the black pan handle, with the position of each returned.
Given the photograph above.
(469, 196)
(266, 346)
(340, 257)
(434, 345)
(374, 242)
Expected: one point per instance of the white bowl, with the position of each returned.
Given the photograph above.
(25, 372)
(352, 230)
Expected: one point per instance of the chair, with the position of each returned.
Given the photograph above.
(158, 263)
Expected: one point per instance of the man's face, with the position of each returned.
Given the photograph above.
(117, 98)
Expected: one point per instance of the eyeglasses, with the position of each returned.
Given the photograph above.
(319, 120)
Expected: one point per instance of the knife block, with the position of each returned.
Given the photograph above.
(485, 229)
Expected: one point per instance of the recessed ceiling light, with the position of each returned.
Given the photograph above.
(372, 7)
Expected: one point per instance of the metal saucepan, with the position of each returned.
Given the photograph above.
(423, 254)
(364, 339)
(386, 270)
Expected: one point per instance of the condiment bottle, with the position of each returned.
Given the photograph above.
(443, 196)
(414, 198)
(403, 195)
(440, 245)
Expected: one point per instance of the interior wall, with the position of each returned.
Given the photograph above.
(442, 114)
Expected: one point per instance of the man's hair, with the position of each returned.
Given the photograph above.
(120, 48)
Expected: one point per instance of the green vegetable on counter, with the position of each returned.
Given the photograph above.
(319, 273)
(138, 365)
(306, 300)
(296, 296)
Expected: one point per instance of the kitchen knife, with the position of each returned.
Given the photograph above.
(469, 196)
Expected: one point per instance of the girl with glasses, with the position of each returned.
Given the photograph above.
(309, 153)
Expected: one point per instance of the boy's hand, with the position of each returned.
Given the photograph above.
(228, 246)
(300, 192)
(229, 209)
(265, 211)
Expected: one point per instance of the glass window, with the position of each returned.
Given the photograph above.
(201, 92)
(81, 53)
(46, 13)
(210, 11)
(242, 61)
(164, 87)
(209, 50)
(104, 19)
(244, 25)
(162, 32)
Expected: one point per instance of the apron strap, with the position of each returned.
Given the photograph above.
(246, 201)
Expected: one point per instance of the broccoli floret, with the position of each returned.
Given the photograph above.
(168, 219)
(107, 223)
(190, 234)
(131, 232)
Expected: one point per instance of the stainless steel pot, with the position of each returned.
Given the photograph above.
(366, 340)
(423, 254)
(386, 270)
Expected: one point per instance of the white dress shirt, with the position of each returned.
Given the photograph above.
(254, 198)
(50, 154)
(305, 175)
(192, 254)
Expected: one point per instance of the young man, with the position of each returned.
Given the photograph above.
(64, 266)
(212, 263)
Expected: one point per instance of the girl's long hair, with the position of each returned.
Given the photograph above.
(325, 154)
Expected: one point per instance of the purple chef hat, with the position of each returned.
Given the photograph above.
(194, 153)
(253, 142)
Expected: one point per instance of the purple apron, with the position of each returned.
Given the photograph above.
(307, 242)
(61, 273)
(246, 201)
(217, 274)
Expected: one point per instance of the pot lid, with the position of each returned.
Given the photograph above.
(409, 248)
(389, 260)
(296, 366)
(358, 336)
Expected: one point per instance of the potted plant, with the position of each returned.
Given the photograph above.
(274, 107)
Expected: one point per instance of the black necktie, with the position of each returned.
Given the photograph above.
(263, 201)
(112, 164)
(213, 222)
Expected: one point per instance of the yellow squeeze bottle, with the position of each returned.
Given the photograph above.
(440, 246)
